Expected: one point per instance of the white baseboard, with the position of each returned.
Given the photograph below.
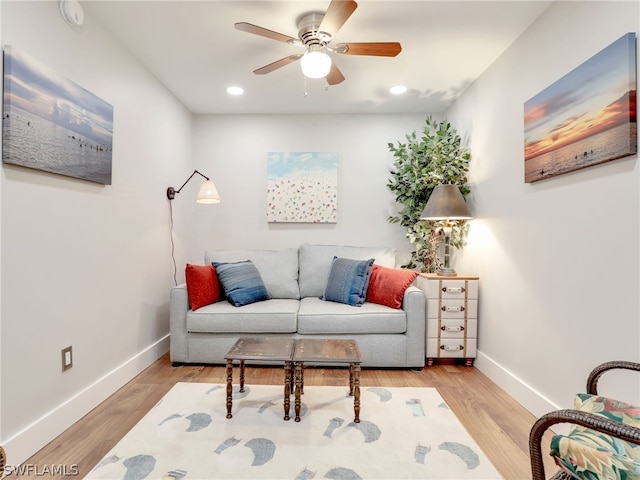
(524, 394)
(28, 441)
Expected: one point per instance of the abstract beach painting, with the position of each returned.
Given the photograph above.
(52, 124)
(586, 118)
(302, 187)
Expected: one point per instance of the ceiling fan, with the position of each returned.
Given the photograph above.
(315, 33)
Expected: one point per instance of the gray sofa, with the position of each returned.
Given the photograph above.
(295, 280)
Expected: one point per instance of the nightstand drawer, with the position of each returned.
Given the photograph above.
(451, 348)
(453, 328)
(451, 308)
(451, 289)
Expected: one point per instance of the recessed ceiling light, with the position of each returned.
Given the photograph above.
(398, 89)
(235, 90)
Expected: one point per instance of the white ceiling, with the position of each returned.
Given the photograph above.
(193, 48)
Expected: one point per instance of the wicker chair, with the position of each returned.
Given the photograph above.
(597, 423)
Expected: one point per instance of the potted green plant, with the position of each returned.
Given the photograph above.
(421, 163)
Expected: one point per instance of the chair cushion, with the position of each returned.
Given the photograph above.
(242, 282)
(590, 455)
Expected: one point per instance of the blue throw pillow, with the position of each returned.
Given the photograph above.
(348, 281)
(241, 282)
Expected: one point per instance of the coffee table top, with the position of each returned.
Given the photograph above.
(261, 348)
(326, 350)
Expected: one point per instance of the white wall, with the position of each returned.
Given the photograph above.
(558, 259)
(89, 265)
(84, 264)
(232, 149)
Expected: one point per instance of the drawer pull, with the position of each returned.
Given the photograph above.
(458, 308)
(450, 348)
(459, 328)
(453, 289)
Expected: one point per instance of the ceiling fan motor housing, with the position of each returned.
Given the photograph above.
(309, 30)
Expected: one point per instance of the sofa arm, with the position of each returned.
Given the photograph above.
(414, 305)
(178, 308)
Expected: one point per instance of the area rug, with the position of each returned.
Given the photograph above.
(403, 433)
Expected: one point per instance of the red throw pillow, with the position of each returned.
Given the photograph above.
(387, 285)
(203, 286)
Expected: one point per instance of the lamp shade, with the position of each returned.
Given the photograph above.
(208, 193)
(446, 203)
(315, 64)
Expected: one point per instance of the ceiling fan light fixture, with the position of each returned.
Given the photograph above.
(315, 64)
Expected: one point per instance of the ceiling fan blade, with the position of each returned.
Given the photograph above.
(334, 76)
(277, 64)
(337, 13)
(378, 49)
(263, 32)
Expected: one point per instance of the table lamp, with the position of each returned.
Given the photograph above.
(446, 204)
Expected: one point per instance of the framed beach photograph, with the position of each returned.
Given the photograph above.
(50, 123)
(302, 187)
(586, 118)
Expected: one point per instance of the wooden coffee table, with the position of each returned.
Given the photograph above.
(262, 349)
(319, 350)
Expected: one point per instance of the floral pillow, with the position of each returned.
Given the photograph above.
(590, 455)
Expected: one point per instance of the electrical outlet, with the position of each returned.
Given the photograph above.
(67, 358)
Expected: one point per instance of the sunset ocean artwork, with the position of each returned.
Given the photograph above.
(302, 187)
(52, 124)
(586, 118)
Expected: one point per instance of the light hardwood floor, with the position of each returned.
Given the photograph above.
(496, 421)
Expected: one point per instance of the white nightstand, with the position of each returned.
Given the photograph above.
(452, 316)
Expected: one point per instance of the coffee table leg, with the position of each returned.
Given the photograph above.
(298, 376)
(356, 392)
(351, 379)
(287, 389)
(242, 376)
(229, 387)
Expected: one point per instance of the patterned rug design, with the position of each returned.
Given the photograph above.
(403, 433)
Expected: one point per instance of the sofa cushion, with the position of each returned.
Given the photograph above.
(271, 316)
(315, 263)
(242, 282)
(203, 287)
(348, 281)
(278, 268)
(317, 317)
(587, 454)
(387, 285)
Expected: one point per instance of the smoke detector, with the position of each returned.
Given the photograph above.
(72, 12)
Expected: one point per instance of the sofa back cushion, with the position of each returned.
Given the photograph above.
(316, 261)
(278, 268)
